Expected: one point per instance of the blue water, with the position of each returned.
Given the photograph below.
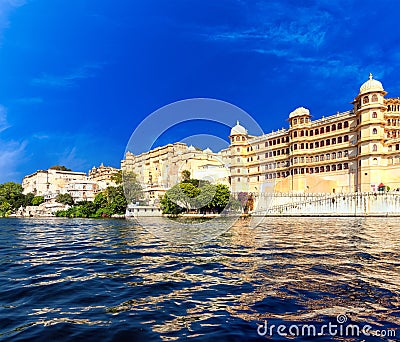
(109, 280)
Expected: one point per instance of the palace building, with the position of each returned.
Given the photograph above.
(354, 151)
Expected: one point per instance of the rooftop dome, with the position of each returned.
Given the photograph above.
(238, 129)
(191, 148)
(208, 150)
(371, 85)
(299, 112)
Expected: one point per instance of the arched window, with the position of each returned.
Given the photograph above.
(316, 144)
(333, 127)
(328, 129)
(327, 168)
(339, 126)
(238, 149)
(333, 167)
(316, 131)
(374, 98)
(346, 124)
(322, 143)
(243, 138)
(327, 142)
(339, 140)
(374, 131)
(374, 147)
(346, 138)
(302, 133)
(317, 169)
(339, 167)
(334, 155)
(311, 133)
(294, 134)
(365, 99)
(374, 115)
(333, 141)
(294, 121)
(375, 161)
(302, 146)
(321, 130)
(321, 169)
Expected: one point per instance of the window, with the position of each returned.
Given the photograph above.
(374, 131)
(365, 99)
(328, 129)
(294, 121)
(374, 147)
(302, 133)
(339, 140)
(295, 146)
(311, 133)
(321, 143)
(321, 158)
(328, 156)
(316, 131)
(327, 168)
(238, 179)
(346, 124)
(238, 160)
(295, 135)
(316, 158)
(321, 169)
(302, 146)
(238, 149)
(374, 115)
(333, 141)
(374, 98)
(346, 153)
(333, 127)
(316, 144)
(321, 130)
(375, 161)
(327, 142)
(311, 145)
(339, 167)
(339, 126)
(346, 138)
(302, 120)
(333, 167)
(345, 166)
(238, 170)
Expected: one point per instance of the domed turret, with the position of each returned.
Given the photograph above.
(301, 111)
(371, 86)
(238, 129)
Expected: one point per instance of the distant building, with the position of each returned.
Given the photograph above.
(161, 168)
(103, 176)
(49, 183)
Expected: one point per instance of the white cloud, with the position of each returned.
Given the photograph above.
(69, 79)
(11, 152)
(3, 118)
(6, 6)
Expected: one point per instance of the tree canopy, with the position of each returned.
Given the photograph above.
(59, 168)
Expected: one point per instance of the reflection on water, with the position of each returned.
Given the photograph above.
(98, 280)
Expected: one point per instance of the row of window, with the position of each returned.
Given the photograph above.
(393, 134)
(321, 143)
(393, 122)
(303, 170)
(374, 98)
(322, 130)
(394, 147)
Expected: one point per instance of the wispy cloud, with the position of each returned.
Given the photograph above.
(70, 79)
(6, 6)
(11, 152)
(70, 159)
(29, 100)
(3, 118)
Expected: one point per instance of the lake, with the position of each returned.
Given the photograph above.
(110, 280)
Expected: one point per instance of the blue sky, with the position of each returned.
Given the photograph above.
(78, 76)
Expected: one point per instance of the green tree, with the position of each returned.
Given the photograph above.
(100, 200)
(168, 206)
(65, 199)
(59, 168)
(185, 175)
(37, 200)
(184, 194)
(132, 189)
(11, 198)
(117, 177)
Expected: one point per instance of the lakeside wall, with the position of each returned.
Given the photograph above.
(349, 204)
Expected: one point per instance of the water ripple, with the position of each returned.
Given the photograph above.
(110, 280)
